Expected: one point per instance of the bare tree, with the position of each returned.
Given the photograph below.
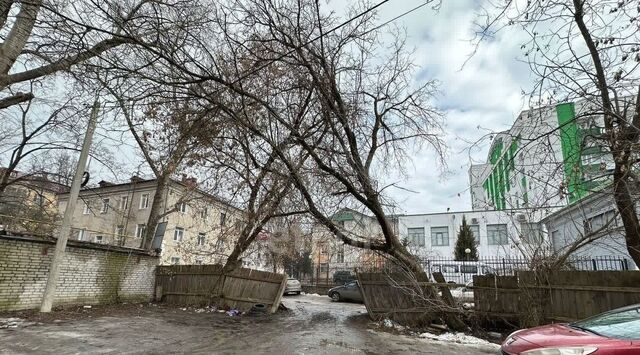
(171, 135)
(44, 38)
(588, 51)
(359, 110)
(32, 137)
(255, 179)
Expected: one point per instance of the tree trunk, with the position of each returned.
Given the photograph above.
(453, 320)
(626, 207)
(233, 261)
(246, 238)
(156, 213)
(4, 181)
(19, 34)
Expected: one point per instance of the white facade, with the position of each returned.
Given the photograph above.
(498, 233)
(546, 159)
(596, 218)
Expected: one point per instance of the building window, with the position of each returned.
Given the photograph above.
(220, 244)
(140, 229)
(199, 261)
(99, 239)
(223, 218)
(416, 236)
(175, 260)
(144, 201)
(340, 254)
(38, 199)
(324, 267)
(475, 229)
(82, 233)
(105, 205)
(86, 209)
(124, 202)
(203, 213)
(178, 234)
(201, 239)
(600, 222)
(556, 239)
(182, 207)
(439, 236)
(497, 234)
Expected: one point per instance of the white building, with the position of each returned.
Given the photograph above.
(590, 228)
(499, 234)
(548, 158)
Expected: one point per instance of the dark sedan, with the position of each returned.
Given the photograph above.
(347, 292)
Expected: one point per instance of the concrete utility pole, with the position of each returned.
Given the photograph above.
(65, 229)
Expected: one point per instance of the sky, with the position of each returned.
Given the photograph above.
(479, 94)
(479, 97)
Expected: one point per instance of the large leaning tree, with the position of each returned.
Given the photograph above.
(43, 38)
(353, 108)
(49, 50)
(588, 50)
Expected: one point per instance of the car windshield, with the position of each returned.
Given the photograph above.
(623, 324)
(352, 283)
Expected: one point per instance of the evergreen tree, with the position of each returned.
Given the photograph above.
(466, 239)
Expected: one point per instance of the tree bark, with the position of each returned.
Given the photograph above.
(19, 34)
(156, 213)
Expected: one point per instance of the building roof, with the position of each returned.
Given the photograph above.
(38, 180)
(138, 181)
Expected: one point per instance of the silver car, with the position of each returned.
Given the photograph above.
(347, 292)
(293, 286)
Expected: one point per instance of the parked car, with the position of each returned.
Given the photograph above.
(347, 292)
(293, 286)
(460, 271)
(613, 332)
(341, 277)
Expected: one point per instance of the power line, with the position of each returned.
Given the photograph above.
(400, 16)
(323, 34)
(333, 29)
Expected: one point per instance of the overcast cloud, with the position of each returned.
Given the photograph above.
(483, 96)
(485, 93)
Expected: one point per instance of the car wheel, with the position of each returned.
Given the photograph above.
(335, 297)
(297, 293)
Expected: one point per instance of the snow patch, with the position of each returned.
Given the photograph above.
(14, 323)
(460, 338)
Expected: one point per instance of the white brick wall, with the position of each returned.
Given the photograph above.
(90, 274)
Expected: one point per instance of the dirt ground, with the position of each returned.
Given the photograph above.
(314, 325)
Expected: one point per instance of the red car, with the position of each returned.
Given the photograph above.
(614, 332)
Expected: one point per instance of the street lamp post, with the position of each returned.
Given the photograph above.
(466, 258)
